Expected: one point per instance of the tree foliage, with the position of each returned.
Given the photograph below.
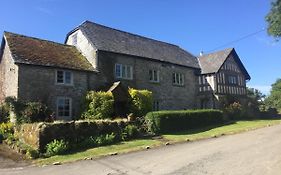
(274, 99)
(274, 19)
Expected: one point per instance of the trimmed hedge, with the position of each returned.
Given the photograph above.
(174, 121)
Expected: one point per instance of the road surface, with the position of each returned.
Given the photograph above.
(255, 152)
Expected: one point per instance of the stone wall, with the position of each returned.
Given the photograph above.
(8, 75)
(38, 135)
(38, 83)
(170, 96)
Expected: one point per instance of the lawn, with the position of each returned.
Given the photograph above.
(141, 144)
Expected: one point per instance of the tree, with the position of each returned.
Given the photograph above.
(274, 19)
(274, 99)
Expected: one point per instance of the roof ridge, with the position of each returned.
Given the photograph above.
(230, 49)
(137, 35)
(45, 40)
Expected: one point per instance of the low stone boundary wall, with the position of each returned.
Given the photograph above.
(38, 135)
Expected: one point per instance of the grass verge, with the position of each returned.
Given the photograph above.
(232, 128)
(136, 145)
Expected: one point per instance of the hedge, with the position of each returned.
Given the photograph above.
(174, 121)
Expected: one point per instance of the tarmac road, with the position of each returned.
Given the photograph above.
(255, 152)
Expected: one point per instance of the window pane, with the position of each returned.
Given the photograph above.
(174, 78)
(66, 113)
(155, 77)
(118, 70)
(59, 76)
(64, 107)
(150, 75)
(129, 75)
(67, 77)
(123, 71)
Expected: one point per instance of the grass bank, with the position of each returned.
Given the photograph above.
(141, 144)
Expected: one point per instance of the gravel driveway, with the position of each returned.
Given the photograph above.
(252, 153)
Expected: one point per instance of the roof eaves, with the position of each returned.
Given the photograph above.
(56, 67)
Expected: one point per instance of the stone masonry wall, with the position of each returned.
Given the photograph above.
(170, 97)
(37, 83)
(8, 75)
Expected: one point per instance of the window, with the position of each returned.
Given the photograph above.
(153, 75)
(64, 77)
(156, 106)
(178, 79)
(123, 71)
(74, 39)
(64, 106)
(232, 79)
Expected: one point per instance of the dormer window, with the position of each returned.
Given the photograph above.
(64, 77)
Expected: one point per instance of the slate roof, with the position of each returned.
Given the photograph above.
(34, 51)
(117, 41)
(211, 63)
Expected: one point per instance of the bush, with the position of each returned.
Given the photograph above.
(34, 112)
(32, 153)
(98, 105)
(56, 147)
(4, 113)
(101, 140)
(6, 129)
(130, 132)
(28, 112)
(173, 121)
(234, 111)
(105, 139)
(141, 102)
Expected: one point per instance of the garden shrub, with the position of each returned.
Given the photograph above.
(6, 129)
(32, 153)
(56, 147)
(130, 132)
(4, 113)
(105, 139)
(173, 121)
(34, 112)
(234, 111)
(28, 112)
(98, 105)
(141, 102)
(101, 140)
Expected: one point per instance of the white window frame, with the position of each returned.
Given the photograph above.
(70, 108)
(155, 78)
(64, 78)
(178, 79)
(124, 75)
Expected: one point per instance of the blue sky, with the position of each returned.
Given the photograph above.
(194, 25)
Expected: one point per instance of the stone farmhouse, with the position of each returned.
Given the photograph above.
(96, 57)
